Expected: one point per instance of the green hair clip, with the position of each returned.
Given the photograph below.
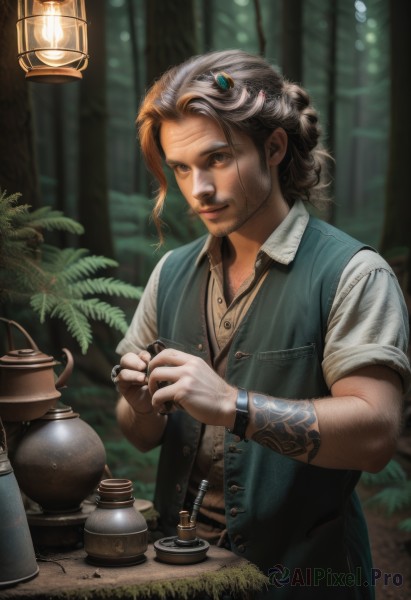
(224, 80)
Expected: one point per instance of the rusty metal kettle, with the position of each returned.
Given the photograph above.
(27, 381)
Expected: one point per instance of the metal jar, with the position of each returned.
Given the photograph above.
(115, 534)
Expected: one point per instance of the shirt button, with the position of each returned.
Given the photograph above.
(186, 450)
(234, 511)
(227, 325)
(220, 300)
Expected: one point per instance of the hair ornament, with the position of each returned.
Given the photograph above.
(224, 80)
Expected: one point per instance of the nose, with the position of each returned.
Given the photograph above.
(202, 185)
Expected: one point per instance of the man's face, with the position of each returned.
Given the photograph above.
(227, 187)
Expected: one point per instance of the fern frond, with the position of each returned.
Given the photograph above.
(107, 285)
(47, 218)
(405, 525)
(57, 259)
(391, 473)
(53, 281)
(392, 499)
(102, 311)
(77, 324)
(43, 304)
(86, 266)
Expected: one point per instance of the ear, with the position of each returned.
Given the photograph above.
(276, 146)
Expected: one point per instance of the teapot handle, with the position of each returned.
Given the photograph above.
(68, 369)
(23, 331)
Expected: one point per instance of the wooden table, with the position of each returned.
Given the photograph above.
(69, 576)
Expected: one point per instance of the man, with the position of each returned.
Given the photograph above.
(285, 339)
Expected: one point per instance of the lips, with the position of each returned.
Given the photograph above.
(211, 210)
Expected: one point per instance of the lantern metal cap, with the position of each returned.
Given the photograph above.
(53, 75)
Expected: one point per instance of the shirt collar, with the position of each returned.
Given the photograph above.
(281, 245)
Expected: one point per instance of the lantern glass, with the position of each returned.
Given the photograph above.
(52, 38)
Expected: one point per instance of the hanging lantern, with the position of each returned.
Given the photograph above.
(52, 39)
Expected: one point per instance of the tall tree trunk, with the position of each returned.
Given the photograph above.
(171, 34)
(18, 171)
(292, 40)
(93, 187)
(138, 172)
(93, 181)
(207, 8)
(262, 42)
(397, 224)
(396, 237)
(332, 98)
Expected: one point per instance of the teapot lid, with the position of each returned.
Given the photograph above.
(26, 356)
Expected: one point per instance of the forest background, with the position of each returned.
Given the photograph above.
(73, 147)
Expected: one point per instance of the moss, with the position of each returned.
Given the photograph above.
(239, 582)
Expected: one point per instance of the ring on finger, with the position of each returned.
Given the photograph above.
(114, 373)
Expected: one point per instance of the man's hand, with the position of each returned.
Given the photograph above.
(193, 386)
(132, 381)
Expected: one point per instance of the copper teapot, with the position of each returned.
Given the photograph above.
(28, 387)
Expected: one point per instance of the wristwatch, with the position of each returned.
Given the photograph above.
(241, 414)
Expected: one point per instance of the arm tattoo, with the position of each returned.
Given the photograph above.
(288, 427)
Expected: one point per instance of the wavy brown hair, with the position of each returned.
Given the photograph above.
(259, 101)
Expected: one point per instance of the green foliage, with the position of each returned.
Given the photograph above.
(126, 462)
(56, 283)
(392, 473)
(395, 495)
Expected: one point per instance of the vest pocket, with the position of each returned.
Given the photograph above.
(288, 354)
(286, 373)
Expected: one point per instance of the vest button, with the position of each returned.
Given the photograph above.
(241, 548)
(227, 325)
(234, 511)
(186, 451)
(178, 488)
(238, 354)
(200, 346)
(220, 300)
(233, 488)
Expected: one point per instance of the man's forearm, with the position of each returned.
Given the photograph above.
(144, 431)
(290, 428)
(354, 428)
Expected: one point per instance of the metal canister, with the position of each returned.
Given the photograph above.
(17, 557)
(115, 534)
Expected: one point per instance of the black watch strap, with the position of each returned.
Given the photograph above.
(241, 414)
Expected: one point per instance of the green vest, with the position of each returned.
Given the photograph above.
(279, 511)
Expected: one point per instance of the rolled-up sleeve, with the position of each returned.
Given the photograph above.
(143, 327)
(368, 322)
